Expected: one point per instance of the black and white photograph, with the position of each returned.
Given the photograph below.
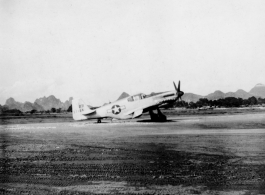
(132, 97)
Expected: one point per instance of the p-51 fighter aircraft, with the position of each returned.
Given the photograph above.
(130, 107)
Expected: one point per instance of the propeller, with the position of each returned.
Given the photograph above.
(180, 93)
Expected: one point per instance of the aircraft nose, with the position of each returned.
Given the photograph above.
(181, 93)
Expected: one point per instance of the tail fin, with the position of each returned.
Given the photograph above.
(80, 109)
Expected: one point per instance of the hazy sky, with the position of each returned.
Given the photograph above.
(98, 49)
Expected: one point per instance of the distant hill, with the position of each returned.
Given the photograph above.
(215, 95)
(123, 95)
(242, 94)
(28, 106)
(12, 104)
(219, 95)
(67, 103)
(49, 102)
(258, 90)
(188, 97)
(37, 107)
(40, 104)
(191, 97)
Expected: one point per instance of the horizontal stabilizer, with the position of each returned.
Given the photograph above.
(87, 112)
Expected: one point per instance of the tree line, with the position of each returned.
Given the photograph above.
(52, 110)
(4, 110)
(225, 102)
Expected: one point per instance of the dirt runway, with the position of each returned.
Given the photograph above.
(222, 154)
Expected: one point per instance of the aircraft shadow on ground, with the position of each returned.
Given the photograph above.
(101, 122)
(150, 121)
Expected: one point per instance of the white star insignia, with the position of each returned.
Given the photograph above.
(116, 109)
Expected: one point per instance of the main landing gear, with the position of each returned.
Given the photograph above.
(159, 117)
(99, 120)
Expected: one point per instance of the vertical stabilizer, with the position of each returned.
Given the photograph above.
(79, 109)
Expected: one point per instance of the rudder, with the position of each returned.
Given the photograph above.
(79, 108)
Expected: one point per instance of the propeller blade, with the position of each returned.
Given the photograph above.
(182, 102)
(179, 93)
(175, 86)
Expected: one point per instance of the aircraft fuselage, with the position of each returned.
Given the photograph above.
(131, 107)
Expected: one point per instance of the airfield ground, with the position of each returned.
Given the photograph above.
(209, 152)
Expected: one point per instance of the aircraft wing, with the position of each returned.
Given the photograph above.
(139, 111)
(135, 113)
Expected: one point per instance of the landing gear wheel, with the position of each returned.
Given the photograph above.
(99, 120)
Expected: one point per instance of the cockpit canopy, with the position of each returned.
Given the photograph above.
(136, 97)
